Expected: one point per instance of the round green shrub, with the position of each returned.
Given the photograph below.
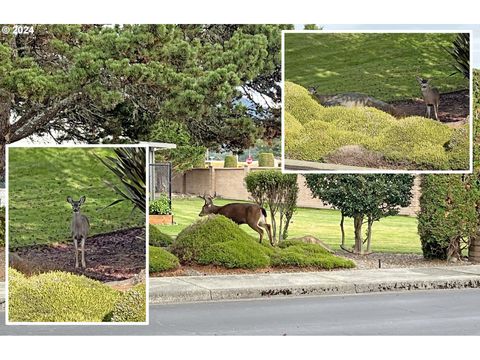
(266, 160)
(131, 306)
(161, 260)
(158, 238)
(217, 240)
(297, 253)
(58, 297)
(300, 104)
(230, 161)
(160, 206)
(447, 212)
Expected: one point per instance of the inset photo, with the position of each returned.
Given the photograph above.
(76, 237)
(377, 102)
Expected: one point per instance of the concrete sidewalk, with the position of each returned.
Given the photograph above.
(229, 287)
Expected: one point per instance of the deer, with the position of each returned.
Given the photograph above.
(431, 96)
(253, 215)
(79, 227)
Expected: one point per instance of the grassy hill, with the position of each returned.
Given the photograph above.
(381, 65)
(40, 179)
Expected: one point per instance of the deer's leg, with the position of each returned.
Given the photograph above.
(83, 252)
(268, 228)
(435, 109)
(75, 243)
(258, 229)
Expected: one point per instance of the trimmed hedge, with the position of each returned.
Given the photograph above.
(216, 240)
(161, 260)
(131, 306)
(230, 161)
(266, 160)
(58, 297)
(158, 238)
(312, 132)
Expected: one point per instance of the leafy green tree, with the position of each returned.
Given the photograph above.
(364, 198)
(113, 83)
(277, 191)
(311, 27)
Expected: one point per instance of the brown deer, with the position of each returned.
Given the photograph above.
(253, 215)
(79, 227)
(431, 96)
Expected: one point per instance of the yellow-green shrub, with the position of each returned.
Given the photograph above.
(131, 306)
(230, 161)
(300, 104)
(161, 260)
(58, 297)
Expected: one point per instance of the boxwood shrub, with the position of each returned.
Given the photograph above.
(266, 160)
(58, 297)
(161, 260)
(230, 161)
(131, 305)
(158, 238)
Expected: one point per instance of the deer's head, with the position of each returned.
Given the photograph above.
(76, 204)
(207, 206)
(424, 83)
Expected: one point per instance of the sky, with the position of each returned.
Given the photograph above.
(475, 47)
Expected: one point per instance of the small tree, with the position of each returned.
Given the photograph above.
(365, 198)
(277, 191)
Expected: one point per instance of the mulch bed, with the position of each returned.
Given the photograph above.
(114, 256)
(363, 262)
(453, 108)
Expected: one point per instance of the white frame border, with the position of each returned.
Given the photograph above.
(147, 276)
(379, 171)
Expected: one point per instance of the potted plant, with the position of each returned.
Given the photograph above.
(160, 211)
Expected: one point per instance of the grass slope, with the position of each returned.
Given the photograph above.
(393, 234)
(381, 65)
(41, 179)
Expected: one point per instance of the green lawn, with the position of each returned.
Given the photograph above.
(40, 179)
(381, 65)
(393, 234)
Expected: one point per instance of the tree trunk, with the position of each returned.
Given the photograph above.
(357, 223)
(342, 229)
(274, 226)
(5, 110)
(369, 233)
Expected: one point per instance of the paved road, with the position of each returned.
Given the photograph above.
(438, 312)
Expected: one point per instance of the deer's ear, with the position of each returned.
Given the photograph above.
(69, 199)
(82, 200)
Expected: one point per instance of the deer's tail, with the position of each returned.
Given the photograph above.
(264, 212)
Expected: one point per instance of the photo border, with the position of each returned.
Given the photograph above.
(147, 275)
(377, 171)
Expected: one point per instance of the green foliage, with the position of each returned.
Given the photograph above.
(311, 27)
(381, 65)
(278, 191)
(2, 226)
(312, 132)
(129, 166)
(460, 52)
(158, 238)
(160, 206)
(58, 297)
(297, 253)
(266, 160)
(40, 181)
(447, 215)
(230, 161)
(161, 260)
(358, 196)
(131, 306)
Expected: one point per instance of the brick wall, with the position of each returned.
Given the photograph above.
(229, 183)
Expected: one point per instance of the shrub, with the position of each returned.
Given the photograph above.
(131, 306)
(230, 161)
(266, 160)
(158, 238)
(217, 240)
(160, 206)
(447, 215)
(297, 253)
(278, 191)
(2, 226)
(300, 104)
(58, 297)
(161, 260)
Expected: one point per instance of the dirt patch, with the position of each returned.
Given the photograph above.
(388, 261)
(356, 155)
(113, 256)
(453, 108)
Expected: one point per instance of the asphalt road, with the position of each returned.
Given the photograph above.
(437, 312)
